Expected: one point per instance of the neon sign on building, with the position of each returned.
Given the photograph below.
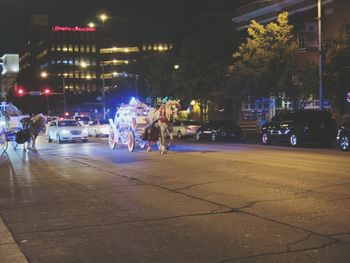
(73, 29)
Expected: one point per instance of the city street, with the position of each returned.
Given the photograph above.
(201, 202)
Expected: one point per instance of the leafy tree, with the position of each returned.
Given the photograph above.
(155, 71)
(204, 57)
(267, 64)
(337, 77)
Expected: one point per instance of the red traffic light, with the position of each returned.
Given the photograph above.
(20, 91)
(47, 91)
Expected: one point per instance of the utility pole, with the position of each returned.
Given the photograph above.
(103, 91)
(320, 68)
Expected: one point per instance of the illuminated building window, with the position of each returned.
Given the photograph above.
(82, 75)
(76, 75)
(58, 61)
(53, 62)
(170, 46)
(70, 75)
(144, 47)
(53, 48)
(76, 61)
(81, 48)
(87, 48)
(70, 62)
(76, 48)
(149, 47)
(83, 88)
(58, 47)
(70, 48)
(71, 87)
(93, 48)
(64, 48)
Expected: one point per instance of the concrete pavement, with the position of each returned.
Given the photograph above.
(199, 203)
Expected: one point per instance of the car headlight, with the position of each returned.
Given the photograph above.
(65, 132)
(85, 131)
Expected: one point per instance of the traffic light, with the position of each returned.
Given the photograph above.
(47, 91)
(20, 91)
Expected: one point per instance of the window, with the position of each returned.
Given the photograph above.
(53, 48)
(93, 48)
(81, 48)
(76, 48)
(70, 48)
(58, 48)
(87, 48)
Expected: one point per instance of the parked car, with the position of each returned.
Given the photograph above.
(299, 127)
(185, 128)
(98, 128)
(343, 136)
(219, 130)
(66, 130)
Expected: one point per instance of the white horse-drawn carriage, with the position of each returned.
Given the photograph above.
(10, 124)
(135, 123)
(128, 124)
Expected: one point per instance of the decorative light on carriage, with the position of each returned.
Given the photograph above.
(133, 101)
(193, 102)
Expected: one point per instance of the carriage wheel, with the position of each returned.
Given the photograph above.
(14, 144)
(112, 139)
(3, 141)
(131, 141)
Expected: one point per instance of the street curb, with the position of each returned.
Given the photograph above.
(9, 250)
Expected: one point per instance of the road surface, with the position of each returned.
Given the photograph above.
(201, 202)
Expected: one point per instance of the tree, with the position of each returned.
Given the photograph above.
(267, 64)
(204, 57)
(156, 70)
(337, 77)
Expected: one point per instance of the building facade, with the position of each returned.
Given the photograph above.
(79, 62)
(303, 16)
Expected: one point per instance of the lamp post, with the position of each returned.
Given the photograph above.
(103, 18)
(320, 68)
(64, 94)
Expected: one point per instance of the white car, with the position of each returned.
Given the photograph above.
(98, 128)
(185, 128)
(66, 130)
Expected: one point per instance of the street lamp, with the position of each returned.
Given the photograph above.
(45, 75)
(320, 68)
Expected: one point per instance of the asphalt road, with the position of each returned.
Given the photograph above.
(201, 202)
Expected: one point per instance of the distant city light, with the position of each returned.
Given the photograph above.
(91, 24)
(43, 74)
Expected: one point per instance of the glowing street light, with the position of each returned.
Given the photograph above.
(43, 74)
(91, 24)
(103, 17)
(176, 66)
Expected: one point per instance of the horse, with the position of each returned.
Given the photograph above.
(33, 126)
(163, 119)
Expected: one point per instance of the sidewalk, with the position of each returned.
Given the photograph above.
(9, 250)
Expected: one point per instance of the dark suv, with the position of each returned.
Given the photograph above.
(219, 130)
(343, 136)
(299, 127)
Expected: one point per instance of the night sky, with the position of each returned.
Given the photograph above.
(133, 19)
